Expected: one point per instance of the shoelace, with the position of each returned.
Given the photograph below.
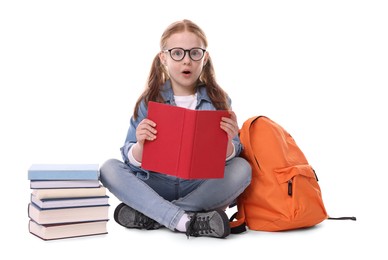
(199, 226)
(143, 221)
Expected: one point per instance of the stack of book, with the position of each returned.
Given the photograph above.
(67, 200)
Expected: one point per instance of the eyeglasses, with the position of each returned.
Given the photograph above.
(179, 54)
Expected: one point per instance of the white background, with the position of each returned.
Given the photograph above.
(71, 71)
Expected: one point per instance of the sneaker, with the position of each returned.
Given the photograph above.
(131, 218)
(210, 224)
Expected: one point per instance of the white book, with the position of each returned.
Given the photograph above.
(69, 202)
(69, 193)
(55, 184)
(69, 230)
(67, 215)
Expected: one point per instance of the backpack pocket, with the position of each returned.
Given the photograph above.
(302, 195)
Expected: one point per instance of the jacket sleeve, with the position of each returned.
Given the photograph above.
(131, 135)
(236, 140)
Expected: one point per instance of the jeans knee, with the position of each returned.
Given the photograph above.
(107, 167)
(245, 170)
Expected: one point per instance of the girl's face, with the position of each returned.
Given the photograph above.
(184, 73)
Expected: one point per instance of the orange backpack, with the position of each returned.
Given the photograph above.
(284, 193)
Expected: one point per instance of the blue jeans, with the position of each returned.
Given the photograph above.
(166, 198)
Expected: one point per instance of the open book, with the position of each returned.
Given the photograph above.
(190, 144)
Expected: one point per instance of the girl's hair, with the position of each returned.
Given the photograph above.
(158, 74)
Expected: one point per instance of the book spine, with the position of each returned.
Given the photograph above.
(63, 175)
(69, 193)
(67, 230)
(70, 202)
(67, 215)
(58, 184)
(187, 144)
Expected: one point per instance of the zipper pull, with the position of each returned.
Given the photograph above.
(290, 187)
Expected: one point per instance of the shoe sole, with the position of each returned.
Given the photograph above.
(225, 220)
(117, 212)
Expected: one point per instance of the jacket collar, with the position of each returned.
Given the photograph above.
(168, 93)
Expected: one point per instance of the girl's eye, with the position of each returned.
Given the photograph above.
(194, 53)
(177, 53)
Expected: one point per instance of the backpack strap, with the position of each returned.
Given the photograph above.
(343, 218)
(237, 220)
(246, 137)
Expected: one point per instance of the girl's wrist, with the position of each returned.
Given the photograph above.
(231, 151)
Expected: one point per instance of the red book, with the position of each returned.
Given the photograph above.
(190, 143)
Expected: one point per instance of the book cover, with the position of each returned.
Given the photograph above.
(67, 215)
(64, 172)
(69, 202)
(69, 193)
(190, 143)
(67, 230)
(56, 184)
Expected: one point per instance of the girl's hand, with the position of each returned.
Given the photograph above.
(230, 125)
(145, 131)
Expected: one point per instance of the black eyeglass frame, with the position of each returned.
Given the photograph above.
(186, 51)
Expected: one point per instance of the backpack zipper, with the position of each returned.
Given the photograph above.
(290, 187)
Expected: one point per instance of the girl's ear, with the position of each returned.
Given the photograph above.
(206, 58)
(163, 58)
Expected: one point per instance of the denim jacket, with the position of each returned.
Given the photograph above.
(203, 103)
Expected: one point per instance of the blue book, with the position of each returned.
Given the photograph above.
(64, 172)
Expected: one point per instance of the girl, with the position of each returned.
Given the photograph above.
(182, 74)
